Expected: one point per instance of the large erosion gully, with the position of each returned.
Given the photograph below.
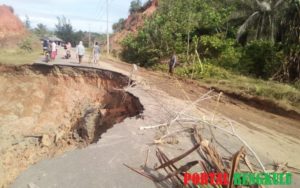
(48, 110)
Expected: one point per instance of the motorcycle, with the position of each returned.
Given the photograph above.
(68, 54)
(47, 55)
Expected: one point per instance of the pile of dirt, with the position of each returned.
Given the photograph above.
(46, 111)
(11, 27)
(133, 22)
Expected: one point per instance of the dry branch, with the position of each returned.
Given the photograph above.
(152, 178)
(210, 159)
(182, 169)
(176, 159)
(235, 163)
(172, 166)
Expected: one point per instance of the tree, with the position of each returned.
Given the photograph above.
(120, 25)
(262, 20)
(41, 30)
(269, 30)
(135, 6)
(64, 30)
(289, 27)
(27, 22)
(172, 28)
(81, 36)
(11, 9)
(289, 36)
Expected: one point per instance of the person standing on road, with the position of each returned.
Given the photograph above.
(96, 53)
(80, 51)
(172, 63)
(45, 46)
(68, 47)
(53, 50)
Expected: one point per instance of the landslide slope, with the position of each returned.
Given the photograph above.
(133, 22)
(11, 27)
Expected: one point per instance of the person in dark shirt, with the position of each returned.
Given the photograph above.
(45, 45)
(172, 63)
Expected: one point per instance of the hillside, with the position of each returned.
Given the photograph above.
(11, 27)
(133, 22)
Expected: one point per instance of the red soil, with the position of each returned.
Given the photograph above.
(11, 26)
(132, 23)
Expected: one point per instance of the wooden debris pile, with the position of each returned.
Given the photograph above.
(170, 172)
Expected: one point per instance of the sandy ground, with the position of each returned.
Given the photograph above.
(274, 138)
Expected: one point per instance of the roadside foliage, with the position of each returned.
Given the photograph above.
(224, 39)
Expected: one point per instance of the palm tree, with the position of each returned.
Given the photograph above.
(278, 21)
(289, 25)
(289, 35)
(262, 20)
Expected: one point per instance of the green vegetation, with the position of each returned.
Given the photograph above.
(135, 6)
(41, 30)
(65, 31)
(27, 22)
(119, 26)
(26, 52)
(249, 46)
(285, 95)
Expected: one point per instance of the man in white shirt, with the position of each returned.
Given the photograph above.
(80, 51)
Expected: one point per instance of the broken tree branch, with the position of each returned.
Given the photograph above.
(176, 159)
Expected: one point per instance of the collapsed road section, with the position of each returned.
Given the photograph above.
(48, 110)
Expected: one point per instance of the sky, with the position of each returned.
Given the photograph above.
(85, 15)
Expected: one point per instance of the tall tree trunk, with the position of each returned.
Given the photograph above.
(272, 28)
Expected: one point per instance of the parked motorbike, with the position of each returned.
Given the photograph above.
(47, 55)
(68, 54)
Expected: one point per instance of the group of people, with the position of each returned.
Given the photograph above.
(51, 48)
(80, 52)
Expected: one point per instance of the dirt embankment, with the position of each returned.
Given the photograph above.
(11, 27)
(45, 111)
(133, 22)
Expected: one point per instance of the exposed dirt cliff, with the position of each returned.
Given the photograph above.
(133, 22)
(11, 27)
(46, 111)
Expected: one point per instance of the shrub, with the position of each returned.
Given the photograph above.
(135, 51)
(135, 6)
(26, 45)
(260, 58)
(208, 70)
(222, 52)
(297, 85)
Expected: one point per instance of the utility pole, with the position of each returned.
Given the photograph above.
(107, 34)
(89, 35)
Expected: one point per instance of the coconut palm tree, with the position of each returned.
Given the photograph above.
(262, 21)
(279, 21)
(289, 25)
(289, 35)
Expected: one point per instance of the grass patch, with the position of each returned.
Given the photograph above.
(284, 95)
(26, 51)
(17, 56)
